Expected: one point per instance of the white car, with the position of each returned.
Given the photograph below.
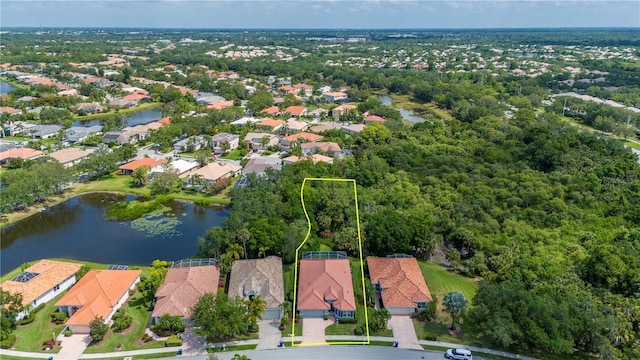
(458, 354)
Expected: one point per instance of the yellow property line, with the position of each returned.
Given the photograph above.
(295, 285)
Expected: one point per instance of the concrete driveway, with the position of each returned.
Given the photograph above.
(193, 344)
(313, 330)
(269, 335)
(404, 332)
(73, 346)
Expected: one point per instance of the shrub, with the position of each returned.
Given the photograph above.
(28, 320)
(36, 309)
(146, 338)
(326, 317)
(59, 317)
(121, 320)
(431, 337)
(68, 333)
(360, 330)
(348, 321)
(173, 340)
(8, 342)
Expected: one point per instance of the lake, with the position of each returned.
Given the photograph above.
(406, 114)
(136, 118)
(5, 88)
(76, 229)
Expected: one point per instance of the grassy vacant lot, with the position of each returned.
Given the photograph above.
(142, 107)
(440, 281)
(128, 339)
(31, 336)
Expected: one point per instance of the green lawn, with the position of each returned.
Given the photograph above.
(142, 107)
(136, 308)
(440, 281)
(232, 348)
(233, 155)
(632, 144)
(140, 357)
(30, 337)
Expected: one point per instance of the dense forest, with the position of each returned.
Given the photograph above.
(548, 216)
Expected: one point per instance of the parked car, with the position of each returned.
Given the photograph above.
(458, 354)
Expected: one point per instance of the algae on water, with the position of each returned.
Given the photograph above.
(157, 224)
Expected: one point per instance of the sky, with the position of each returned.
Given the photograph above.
(325, 14)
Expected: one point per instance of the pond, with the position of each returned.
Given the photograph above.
(5, 88)
(136, 118)
(76, 229)
(406, 114)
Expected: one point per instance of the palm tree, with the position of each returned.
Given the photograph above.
(256, 306)
(140, 176)
(262, 251)
(234, 251)
(225, 261)
(286, 308)
(244, 235)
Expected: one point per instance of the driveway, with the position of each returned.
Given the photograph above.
(269, 335)
(193, 344)
(404, 332)
(313, 330)
(73, 346)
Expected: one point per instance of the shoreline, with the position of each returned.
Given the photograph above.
(16, 216)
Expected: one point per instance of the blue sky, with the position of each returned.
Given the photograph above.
(369, 14)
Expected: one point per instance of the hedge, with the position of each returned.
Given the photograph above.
(28, 320)
(348, 321)
(8, 342)
(173, 340)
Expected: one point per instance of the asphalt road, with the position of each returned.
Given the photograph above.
(329, 352)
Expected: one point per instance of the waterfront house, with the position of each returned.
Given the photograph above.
(325, 287)
(69, 156)
(21, 153)
(150, 163)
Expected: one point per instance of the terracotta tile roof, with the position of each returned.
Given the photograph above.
(374, 118)
(263, 276)
(335, 93)
(322, 280)
(345, 107)
(97, 293)
(67, 155)
(315, 158)
(296, 110)
(302, 86)
(50, 272)
(271, 110)
(22, 153)
(303, 135)
(9, 109)
(136, 96)
(286, 88)
(140, 163)
(401, 281)
(219, 105)
(270, 123)
(182, 288)
(165, 120)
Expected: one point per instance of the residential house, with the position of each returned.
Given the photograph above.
(293, 126)
(303, 88)
(400, 284)
(81, 133)
(137, 96)
(190, 144)
(270, 125)
(336, 96)
(21, 153)
(261, 141)
(325, 287)
(90, 108)
(181, 289)
(14, 128)
(343, 109)
(296, 111)
(325, 89)
(120, 137)
(205, 98)
(315, 158)
(41, 282)
(181, 166)
(319, 113)
(123, 102)
(273, 110)
(218, 140)
(259, 165)
(329, 148)
(219, 105)
(69, 156)
(370, 119)
(4, 146)
(287, 141)
(152, 164)
(69, 92)
(352, 129)
(98, 293)
(259, 277)
(215, 172)
(9, 110)
(45, 131)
